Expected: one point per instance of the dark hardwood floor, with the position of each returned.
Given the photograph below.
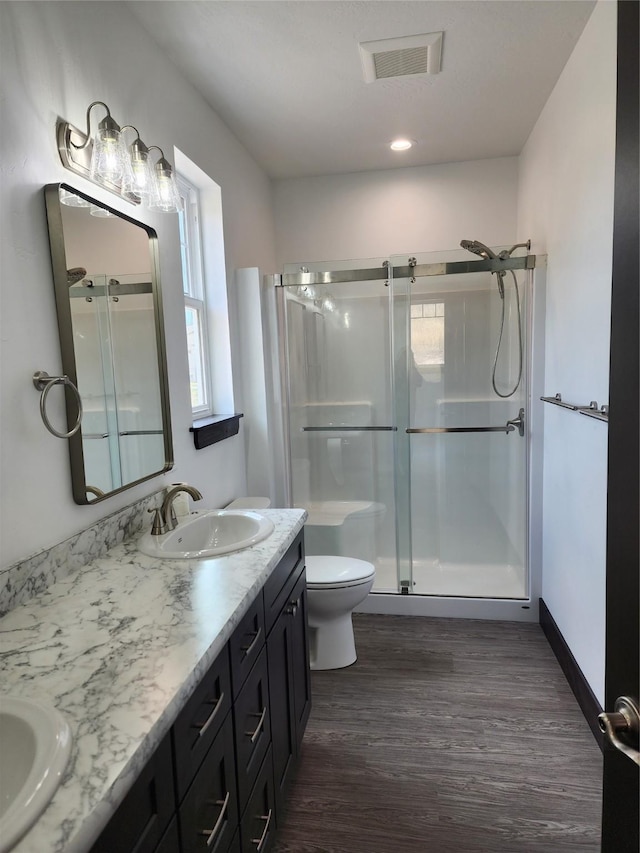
(446, 736)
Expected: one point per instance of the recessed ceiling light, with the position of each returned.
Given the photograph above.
(401, 145)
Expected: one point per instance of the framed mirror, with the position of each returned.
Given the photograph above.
(105, 272)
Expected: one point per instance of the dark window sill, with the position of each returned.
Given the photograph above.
(211, 430)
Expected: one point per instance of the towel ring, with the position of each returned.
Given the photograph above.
(44, 383)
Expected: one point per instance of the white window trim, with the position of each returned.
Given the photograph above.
(195, 295)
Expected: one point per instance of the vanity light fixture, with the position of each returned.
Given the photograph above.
(105, 159)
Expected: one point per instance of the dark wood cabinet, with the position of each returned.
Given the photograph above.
(252, 717)
(217, 782)
(258, 826)
(142, 818)
(170, 840)
(208, 815)
(200, 721)
(246, 643)
(290, 687)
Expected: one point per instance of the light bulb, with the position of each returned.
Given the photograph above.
(401, 145)
(138, 175)
(108, 158)
(165, 193)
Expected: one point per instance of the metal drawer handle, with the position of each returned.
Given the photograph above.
(292, 609)
(254, 735)
(248, 649)
(260, 841)
(211, 833)
(203, 728)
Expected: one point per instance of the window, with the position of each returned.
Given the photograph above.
(427, 333)
(195, 309)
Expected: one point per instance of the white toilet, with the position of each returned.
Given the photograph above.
(335, 586)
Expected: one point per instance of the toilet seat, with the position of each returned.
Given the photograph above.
(332, 572)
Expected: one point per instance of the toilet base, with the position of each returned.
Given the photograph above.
(332, 644)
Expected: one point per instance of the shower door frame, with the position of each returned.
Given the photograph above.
(525, 609)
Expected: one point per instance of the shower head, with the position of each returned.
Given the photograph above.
(478, 248)
(485, 252)
(75, 274)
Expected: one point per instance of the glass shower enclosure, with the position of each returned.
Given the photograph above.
(407, 392)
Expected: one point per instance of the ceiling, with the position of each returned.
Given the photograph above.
(286, 76)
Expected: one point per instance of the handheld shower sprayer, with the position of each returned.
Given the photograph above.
(478, 248)
(75, 274)
(485, 252)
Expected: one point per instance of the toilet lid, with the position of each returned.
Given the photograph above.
(334, 571)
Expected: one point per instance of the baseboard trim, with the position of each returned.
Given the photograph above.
(587, 701)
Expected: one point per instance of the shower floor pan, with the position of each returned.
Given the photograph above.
(477, 580)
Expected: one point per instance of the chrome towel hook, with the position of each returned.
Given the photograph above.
(44, 383)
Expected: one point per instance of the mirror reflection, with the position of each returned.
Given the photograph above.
(109, 317)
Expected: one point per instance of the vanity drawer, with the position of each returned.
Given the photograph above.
(258, 826)
(282, 581)
(200, 721)
(208, 815)
(141, 819)
(170, 840)
(246, 643)
(252, 720)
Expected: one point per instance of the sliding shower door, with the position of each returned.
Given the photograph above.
(467, 481)
(340, 408)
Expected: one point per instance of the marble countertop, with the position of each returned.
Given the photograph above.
(117, 647)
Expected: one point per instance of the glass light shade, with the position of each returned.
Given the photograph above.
(165, 196)
(73, 200)
(109, 153)
(100, 212)
(138, 174)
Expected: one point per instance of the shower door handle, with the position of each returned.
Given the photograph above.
(349, 429)
(510, 426)
(505, 428)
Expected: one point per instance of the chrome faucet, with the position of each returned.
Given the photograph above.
(167, 513)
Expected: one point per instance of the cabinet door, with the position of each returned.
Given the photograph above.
(170, 840)
(209, 812)
(200, 721)
(252, 727)
(283, 739)
(140, 820)
(277, 589)
(257, 830)
(301, 673)
(246, 643)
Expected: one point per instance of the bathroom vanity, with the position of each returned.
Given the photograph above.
(186, 686)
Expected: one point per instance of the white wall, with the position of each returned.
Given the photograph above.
(566, 207)
(56, 59)
(419, 209)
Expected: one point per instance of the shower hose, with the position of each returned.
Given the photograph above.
(495, 361)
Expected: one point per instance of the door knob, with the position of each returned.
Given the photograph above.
(622, 727)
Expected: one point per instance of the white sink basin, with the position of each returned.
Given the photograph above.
(208, 534)
(35, 743)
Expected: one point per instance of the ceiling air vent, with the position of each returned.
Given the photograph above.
(401, 57)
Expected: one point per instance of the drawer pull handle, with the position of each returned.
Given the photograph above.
(254, 735)
(211, 833)
(260, 841)
(203, 728)
(248, 649)
(292, 609)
